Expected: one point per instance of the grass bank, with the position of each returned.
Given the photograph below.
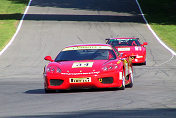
(11, 12)
(161, 15)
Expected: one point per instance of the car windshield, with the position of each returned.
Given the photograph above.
(124, 42)
(86, 54)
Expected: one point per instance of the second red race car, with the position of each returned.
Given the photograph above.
(88, 66)
(131, 46)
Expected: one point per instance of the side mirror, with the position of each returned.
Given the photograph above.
(48, 58)
(145, 43)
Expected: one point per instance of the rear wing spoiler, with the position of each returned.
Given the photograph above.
(106, 40)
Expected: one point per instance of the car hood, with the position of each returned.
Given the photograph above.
(81, 66)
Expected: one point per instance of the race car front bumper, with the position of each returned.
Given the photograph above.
(65, 81)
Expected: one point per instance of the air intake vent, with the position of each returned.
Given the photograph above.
(56, 82)
(106, 80)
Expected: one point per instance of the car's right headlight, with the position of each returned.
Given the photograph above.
(109, 67)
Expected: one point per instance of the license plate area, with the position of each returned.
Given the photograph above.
(80, 80)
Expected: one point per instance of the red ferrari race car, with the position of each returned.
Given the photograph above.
(131, 46)
(88, 66)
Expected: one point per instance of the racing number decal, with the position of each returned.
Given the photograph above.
(82, 64)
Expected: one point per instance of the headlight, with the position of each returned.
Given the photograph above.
(53, 69)
(109, 67)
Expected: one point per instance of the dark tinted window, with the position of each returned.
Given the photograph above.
(87, 54)
(124, 42)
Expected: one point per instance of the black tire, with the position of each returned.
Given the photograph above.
(130, 85)
(144, 63)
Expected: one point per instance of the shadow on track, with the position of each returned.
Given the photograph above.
(123, 6)
(63, 17)
(41, 91)
(91, 18)
(137, 113)
(119, 6)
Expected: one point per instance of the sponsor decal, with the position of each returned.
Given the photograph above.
(118, 61)
(100, 79)
(120, 76)
(89, 73)
(126, 68)
(125, 61)
(79, 80)
(86, 47)
(132, 58)
(123, 49)
(137, 48)
(82, 64)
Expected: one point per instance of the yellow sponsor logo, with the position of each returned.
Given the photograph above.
(132, 58)
(86, 47)
(125, 61)
(100, 79)
(118, 61)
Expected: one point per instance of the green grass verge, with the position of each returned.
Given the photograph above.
(161, 15)
(11, 12)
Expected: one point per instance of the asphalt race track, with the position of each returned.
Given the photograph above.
(49, 26)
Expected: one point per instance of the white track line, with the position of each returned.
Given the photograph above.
(166, 61)
(155, 35)
(18, 29)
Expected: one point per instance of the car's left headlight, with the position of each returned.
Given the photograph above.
(109, 67)
(53, 69)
